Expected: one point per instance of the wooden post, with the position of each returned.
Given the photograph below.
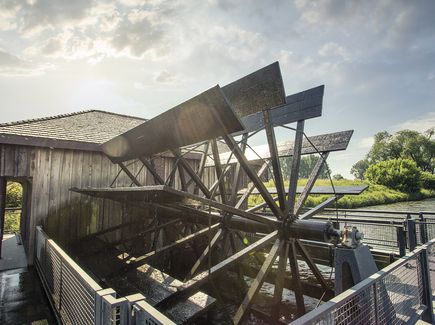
(411, 233)
(294, 172)
(2, 209)
(401, 240)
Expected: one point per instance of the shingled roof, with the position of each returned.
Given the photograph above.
(84, 130)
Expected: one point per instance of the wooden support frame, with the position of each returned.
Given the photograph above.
(306, 256)
(196, 282)
(136, 262)
(295, 278)
(294, 172)
(279, 282)
(251, 187)
(150, 167)
(129, 174)
(310, 183)
(204, 254)
(320, 207)
(237, 171)
(218, 168)
(258, 282)
(195, 177)
(274, 158)
(252, 175)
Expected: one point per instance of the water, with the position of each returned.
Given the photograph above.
(411, 206)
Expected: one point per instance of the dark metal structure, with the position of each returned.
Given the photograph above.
(227, 117)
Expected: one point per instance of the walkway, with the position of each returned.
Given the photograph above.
(22, 298)
(13, 255)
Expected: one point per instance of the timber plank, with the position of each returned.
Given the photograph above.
(200, 118)
(336, 141)
(340, 190)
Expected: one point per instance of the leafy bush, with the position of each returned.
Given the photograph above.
(14, 195)
(337, 177)
(399, 174)
(12, 222)
(374, 195)
(428, 180)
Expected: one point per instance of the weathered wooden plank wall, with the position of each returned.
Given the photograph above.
(65, 215)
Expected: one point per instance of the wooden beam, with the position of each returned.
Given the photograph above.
(322, 190)
(251, 187)
(320, 207)
(142, 233)
(213, 186)
(279, 282)
(306, 256)
(300, 106)
(258, 282)
(114, 228)
(129, 174)
(182, 178)
(205, 116)
(135, 262)
(296, 279)
(150, 166)
(197, 179)
(204, 254)
(274, 158)
(237, 172)
(195, 283)
(252, 175)
(329, 142)
(218, 169)
(310, 183)
(259, 90)
(294, 172)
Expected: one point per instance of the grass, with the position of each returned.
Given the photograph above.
(374, 195)
(12, 222)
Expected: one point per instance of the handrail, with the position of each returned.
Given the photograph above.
(326, 310)
(77, 298)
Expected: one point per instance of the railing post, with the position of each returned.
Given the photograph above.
(411, 234)
(428, 314)
(423, 228)
(375, 301)
(401, 240)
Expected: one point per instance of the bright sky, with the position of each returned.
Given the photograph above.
(141, 57)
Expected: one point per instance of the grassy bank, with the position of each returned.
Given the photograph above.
(374, 195)
(12, 222)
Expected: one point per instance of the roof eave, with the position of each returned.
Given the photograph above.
(47, 142)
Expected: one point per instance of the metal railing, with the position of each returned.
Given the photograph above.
(393, 231)
(77, 299)
(400, 293)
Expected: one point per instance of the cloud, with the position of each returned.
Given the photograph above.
(334, 50)
(140, 33)
(11, 65)
(366, 143)
(41, 15)
(393, 24)
(8, 10)
(164, 77)
(419, 124)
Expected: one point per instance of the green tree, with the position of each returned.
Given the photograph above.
(428, 180)
(359, 168)
(306, 166)
(14, 195)
(337, 177)
(399, 174)
(405, 144)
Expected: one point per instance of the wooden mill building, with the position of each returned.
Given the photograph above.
(50, 155)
